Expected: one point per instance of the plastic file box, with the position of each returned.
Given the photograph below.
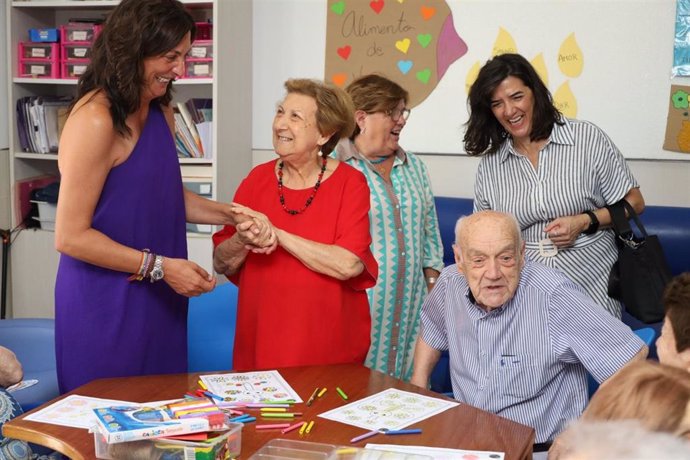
(74, 68)
(198, 68)
(204, 31)
(39, 68)
(76, 51)
(201, 49)
(29, 50)
(79, 32)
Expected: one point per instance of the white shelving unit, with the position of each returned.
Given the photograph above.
(33, 259)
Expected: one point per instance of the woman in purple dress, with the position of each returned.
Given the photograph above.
(122, 206)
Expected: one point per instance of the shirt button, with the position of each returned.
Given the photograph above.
(397, 324)
(402, 253)
(400, 229)
(395, 348)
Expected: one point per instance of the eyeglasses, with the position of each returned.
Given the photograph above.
(395, 114)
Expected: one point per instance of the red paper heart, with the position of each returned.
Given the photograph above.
(344, 52)
(377, 6)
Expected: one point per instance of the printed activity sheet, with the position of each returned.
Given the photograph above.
(439, 453)
(75, 411)
(390, 409)
(250, 387)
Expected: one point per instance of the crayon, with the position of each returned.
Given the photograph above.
(273, 426)
(408, 431)
(321, 393)
(274, 409)
(309, 427)
(341, 393)
(293, 427)
(364, 436)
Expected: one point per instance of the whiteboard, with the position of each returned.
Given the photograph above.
(624, 86)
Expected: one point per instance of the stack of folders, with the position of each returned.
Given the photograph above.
(39, 122)
(193, 123)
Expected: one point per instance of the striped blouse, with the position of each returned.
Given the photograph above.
(405, 239)
(526, 360)
(579, 169)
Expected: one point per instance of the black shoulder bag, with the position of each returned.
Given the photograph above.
(640, 275)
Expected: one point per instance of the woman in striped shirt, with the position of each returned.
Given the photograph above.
(555, 175)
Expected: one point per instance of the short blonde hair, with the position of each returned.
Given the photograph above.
(334, 109)
(655, 394)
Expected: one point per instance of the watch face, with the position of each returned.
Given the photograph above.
(156, 274)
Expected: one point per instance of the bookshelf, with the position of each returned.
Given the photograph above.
(33, 259)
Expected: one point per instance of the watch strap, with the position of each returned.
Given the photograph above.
(593, 224)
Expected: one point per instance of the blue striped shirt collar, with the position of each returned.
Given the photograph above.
(560, 134)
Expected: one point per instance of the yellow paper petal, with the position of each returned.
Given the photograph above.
(471, 76)
(564, 100)
(570, 58)
(540, 66)
(504, 43)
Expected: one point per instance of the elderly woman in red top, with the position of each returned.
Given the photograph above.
(305, 302)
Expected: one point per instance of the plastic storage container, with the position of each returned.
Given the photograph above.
(74, 68)
(76, 51)
(39, 68)
(44, 35)
(29, 50)
(79, 32)
(198, 68)
(227, 444)
(201, 49)
(204, 31)
(283, 449)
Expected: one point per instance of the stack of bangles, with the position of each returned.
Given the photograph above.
(145, 266)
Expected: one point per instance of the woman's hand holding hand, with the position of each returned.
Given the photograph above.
(186, 277)
(254, 230)
(563, 231)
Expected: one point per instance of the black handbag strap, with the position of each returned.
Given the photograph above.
(620, 222)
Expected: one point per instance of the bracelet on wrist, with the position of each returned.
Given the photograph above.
(431, 279)
(593, 223)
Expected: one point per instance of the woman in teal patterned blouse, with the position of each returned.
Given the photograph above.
(404, 227)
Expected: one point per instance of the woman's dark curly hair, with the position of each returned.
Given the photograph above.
(134, 30)
(484, 133)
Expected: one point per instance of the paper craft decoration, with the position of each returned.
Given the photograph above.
(392, 409)
(412, 43)
(678, 122)
(250, 387)
(74, 410)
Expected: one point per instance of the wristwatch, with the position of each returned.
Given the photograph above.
(157, 270)
(593, 224)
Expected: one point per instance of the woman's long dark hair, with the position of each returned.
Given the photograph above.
(484, 133)
(134, 30)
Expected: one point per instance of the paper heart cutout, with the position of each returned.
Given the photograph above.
(404, 66)
(338, 7)
(376, 5)
(424, 75)
(424, 39)
(339, 79)
(427, 12)
(403, 45)
(344, 52)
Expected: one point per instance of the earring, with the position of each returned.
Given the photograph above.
(363, 130)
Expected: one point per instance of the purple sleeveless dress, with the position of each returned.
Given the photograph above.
(106, 326)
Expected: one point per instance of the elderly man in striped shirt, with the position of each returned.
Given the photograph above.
(521, 336)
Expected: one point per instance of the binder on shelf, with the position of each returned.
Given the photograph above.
(40, 121)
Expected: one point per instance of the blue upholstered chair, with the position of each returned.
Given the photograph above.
(211, 329)
(33, 341)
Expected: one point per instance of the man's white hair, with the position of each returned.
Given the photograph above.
(462, 221)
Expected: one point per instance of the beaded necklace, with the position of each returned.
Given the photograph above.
(379, 161)
(311, 196)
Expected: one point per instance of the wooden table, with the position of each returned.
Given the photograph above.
(462, 427)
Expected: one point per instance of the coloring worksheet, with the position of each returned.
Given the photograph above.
(75, 411)
(438, 453)
(250, 387)
(390, 409)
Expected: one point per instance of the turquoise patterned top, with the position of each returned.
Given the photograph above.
(405, 240)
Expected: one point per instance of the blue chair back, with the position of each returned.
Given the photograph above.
(647, 334)
(33, 341)
(211, 329)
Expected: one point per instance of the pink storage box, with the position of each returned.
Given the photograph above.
(39, 68)
(198, 68)
(204, 31)
(201, 49)
(74, 68)
(84, 32)
(29, 50)
(72, 51)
